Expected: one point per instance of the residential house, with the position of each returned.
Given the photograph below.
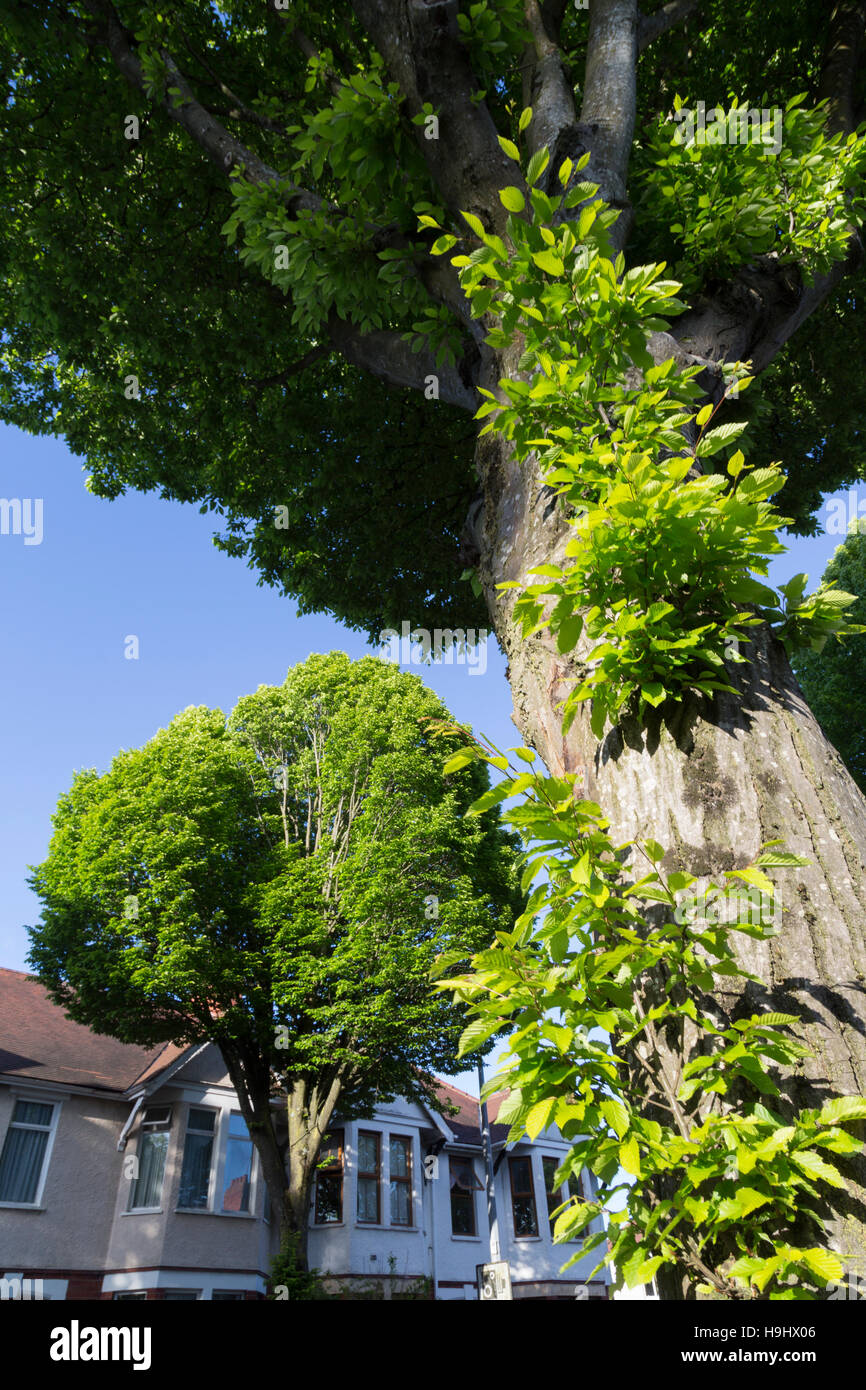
(128, 1173)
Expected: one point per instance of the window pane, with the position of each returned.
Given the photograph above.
(329, 1197)
(367, 1153)
(30, 1112)
(524, 1217)
(521, 1175)
(236, 1180)
(181, 1295)
(462, 1213)
(226, 1296)
(21, 1164)
(399, 1157)
(368, 1199)
(400, 1204)
(195, 1177)
(147, 1188)
(522, 1197)
(157, 1115)
(202, 1119)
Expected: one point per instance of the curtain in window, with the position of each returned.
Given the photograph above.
(147, 1188)
(195, 1176)
(21, 1163)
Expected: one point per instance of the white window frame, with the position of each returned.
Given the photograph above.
(29, 1097)
(217, 1113)
(223, 1111)
(146, 1126)
(219, 1188)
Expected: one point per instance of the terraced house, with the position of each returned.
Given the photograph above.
(128, 1173)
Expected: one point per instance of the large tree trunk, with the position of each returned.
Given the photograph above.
(712, 781)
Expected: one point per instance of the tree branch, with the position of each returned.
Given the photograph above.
(547, 87)
(387, 355)
(420, 43)
(384, 353)
(754, 315)
(305, 44)
(652, 26)
(220, 147)
(609, 104)
(841, 64)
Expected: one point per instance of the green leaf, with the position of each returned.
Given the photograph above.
(512, 199)
(814, 1165)
(474, 223)
(490, 798)
(842, 1108)
(525, 118)
(629, 1156)
(460, 759)
(615, 1114)
(824, 1263)
(477, 1034)
(510, 149)
(537, 165)
(546, 260)
(540, 1116)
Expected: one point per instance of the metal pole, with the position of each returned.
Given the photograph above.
(492, 1221)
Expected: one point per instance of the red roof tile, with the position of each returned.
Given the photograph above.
(38, 1041)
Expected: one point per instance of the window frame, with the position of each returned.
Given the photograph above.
(555, 1196)
(477, 1186)
(405, 1182)
(215, 1137)
(28, 1098)
(145, 1128)
(333, 1170)
(225, 1139)
(513, 1160)
(367, 1175)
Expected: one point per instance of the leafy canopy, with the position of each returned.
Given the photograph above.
(226, 298)
(278, 881)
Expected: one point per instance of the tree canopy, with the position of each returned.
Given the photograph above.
(279, 883)
(252, 256)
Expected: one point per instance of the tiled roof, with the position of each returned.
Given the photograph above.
(38, 1042)
(466, 1124)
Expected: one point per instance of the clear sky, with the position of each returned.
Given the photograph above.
(103, 572)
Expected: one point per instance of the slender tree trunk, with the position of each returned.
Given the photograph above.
(712, 781)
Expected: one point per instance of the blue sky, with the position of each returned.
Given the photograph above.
(207, 634)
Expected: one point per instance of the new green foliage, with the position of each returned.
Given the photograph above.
(695, 1167)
